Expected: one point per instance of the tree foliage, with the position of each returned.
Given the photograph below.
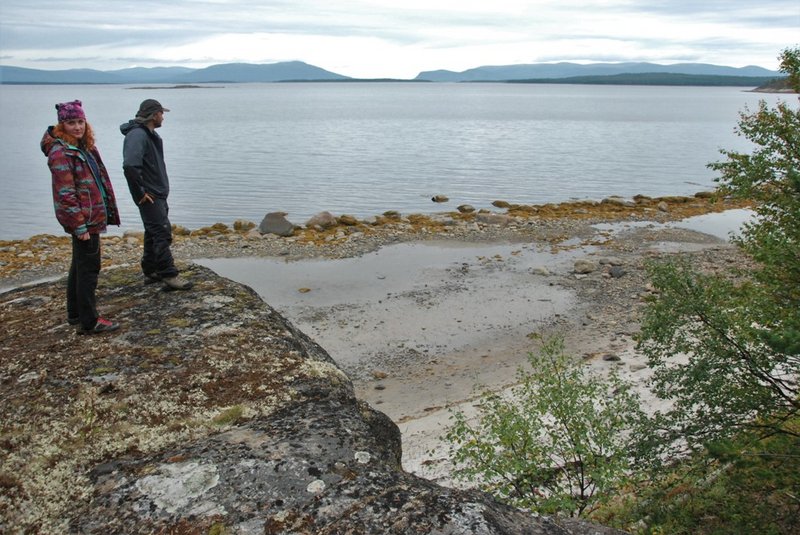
(740, 486)
(771, 177)
(726, 347)
(559, 442)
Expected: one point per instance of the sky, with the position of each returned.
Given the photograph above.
(393, 38)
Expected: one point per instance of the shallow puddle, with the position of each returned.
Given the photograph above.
(422, 298)
(721, 225)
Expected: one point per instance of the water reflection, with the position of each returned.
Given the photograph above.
(722, 225)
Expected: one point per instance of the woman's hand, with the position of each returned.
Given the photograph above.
(146, 198)
(83, 237)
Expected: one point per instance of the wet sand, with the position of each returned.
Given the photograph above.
(423, 328)
(419, 300)
(422, 325)
(418, 326)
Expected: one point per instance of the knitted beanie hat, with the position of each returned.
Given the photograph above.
(70, 110)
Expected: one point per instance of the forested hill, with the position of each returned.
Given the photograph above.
(656, 78)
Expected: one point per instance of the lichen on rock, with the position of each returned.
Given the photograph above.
(206, 412)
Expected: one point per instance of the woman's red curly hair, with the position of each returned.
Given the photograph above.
(85, 143)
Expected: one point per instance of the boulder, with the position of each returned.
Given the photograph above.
(493, 219)
(584, 266)
(618, 201)
(347, 220)
(616, 272)
(276, 223)
(610, 261)
(242, 225)
(322, 220)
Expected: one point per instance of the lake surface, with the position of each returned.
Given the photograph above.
(241, 151)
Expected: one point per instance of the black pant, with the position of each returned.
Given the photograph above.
(82, 281)
(157, 256)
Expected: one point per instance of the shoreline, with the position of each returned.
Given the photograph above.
(46, 255)
(441, 348)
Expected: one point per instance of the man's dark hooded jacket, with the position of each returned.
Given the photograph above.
(143, 161)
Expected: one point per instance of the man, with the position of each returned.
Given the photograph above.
(146, 173)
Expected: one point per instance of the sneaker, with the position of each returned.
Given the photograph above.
(102, 326)
(150, 278)
(177, 283)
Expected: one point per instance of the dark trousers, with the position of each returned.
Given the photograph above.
(157, 256)
(82, 281)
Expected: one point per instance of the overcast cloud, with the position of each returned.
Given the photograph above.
(391, 38)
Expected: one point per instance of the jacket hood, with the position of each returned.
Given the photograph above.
(127, 127)
(48, 140)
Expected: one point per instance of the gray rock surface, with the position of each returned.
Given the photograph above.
(206, 412)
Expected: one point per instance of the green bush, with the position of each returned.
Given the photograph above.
(559, 442)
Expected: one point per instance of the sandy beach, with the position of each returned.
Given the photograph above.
(423, 328)
(424, 317)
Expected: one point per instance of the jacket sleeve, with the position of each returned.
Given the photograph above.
(65, 194)
(133, 163)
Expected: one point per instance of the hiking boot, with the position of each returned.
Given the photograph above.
(176, 283)
(150, 278)
(102, 326)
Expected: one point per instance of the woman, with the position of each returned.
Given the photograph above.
(84, 203)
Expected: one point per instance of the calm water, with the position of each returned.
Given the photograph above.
(241, 151)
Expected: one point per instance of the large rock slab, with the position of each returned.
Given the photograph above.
(207, 412)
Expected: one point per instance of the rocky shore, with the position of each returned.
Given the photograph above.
(342, 236)
(210, 410)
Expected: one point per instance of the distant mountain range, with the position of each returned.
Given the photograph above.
(691, 74)
(224, 73)
(660, 78)
(566, 70)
